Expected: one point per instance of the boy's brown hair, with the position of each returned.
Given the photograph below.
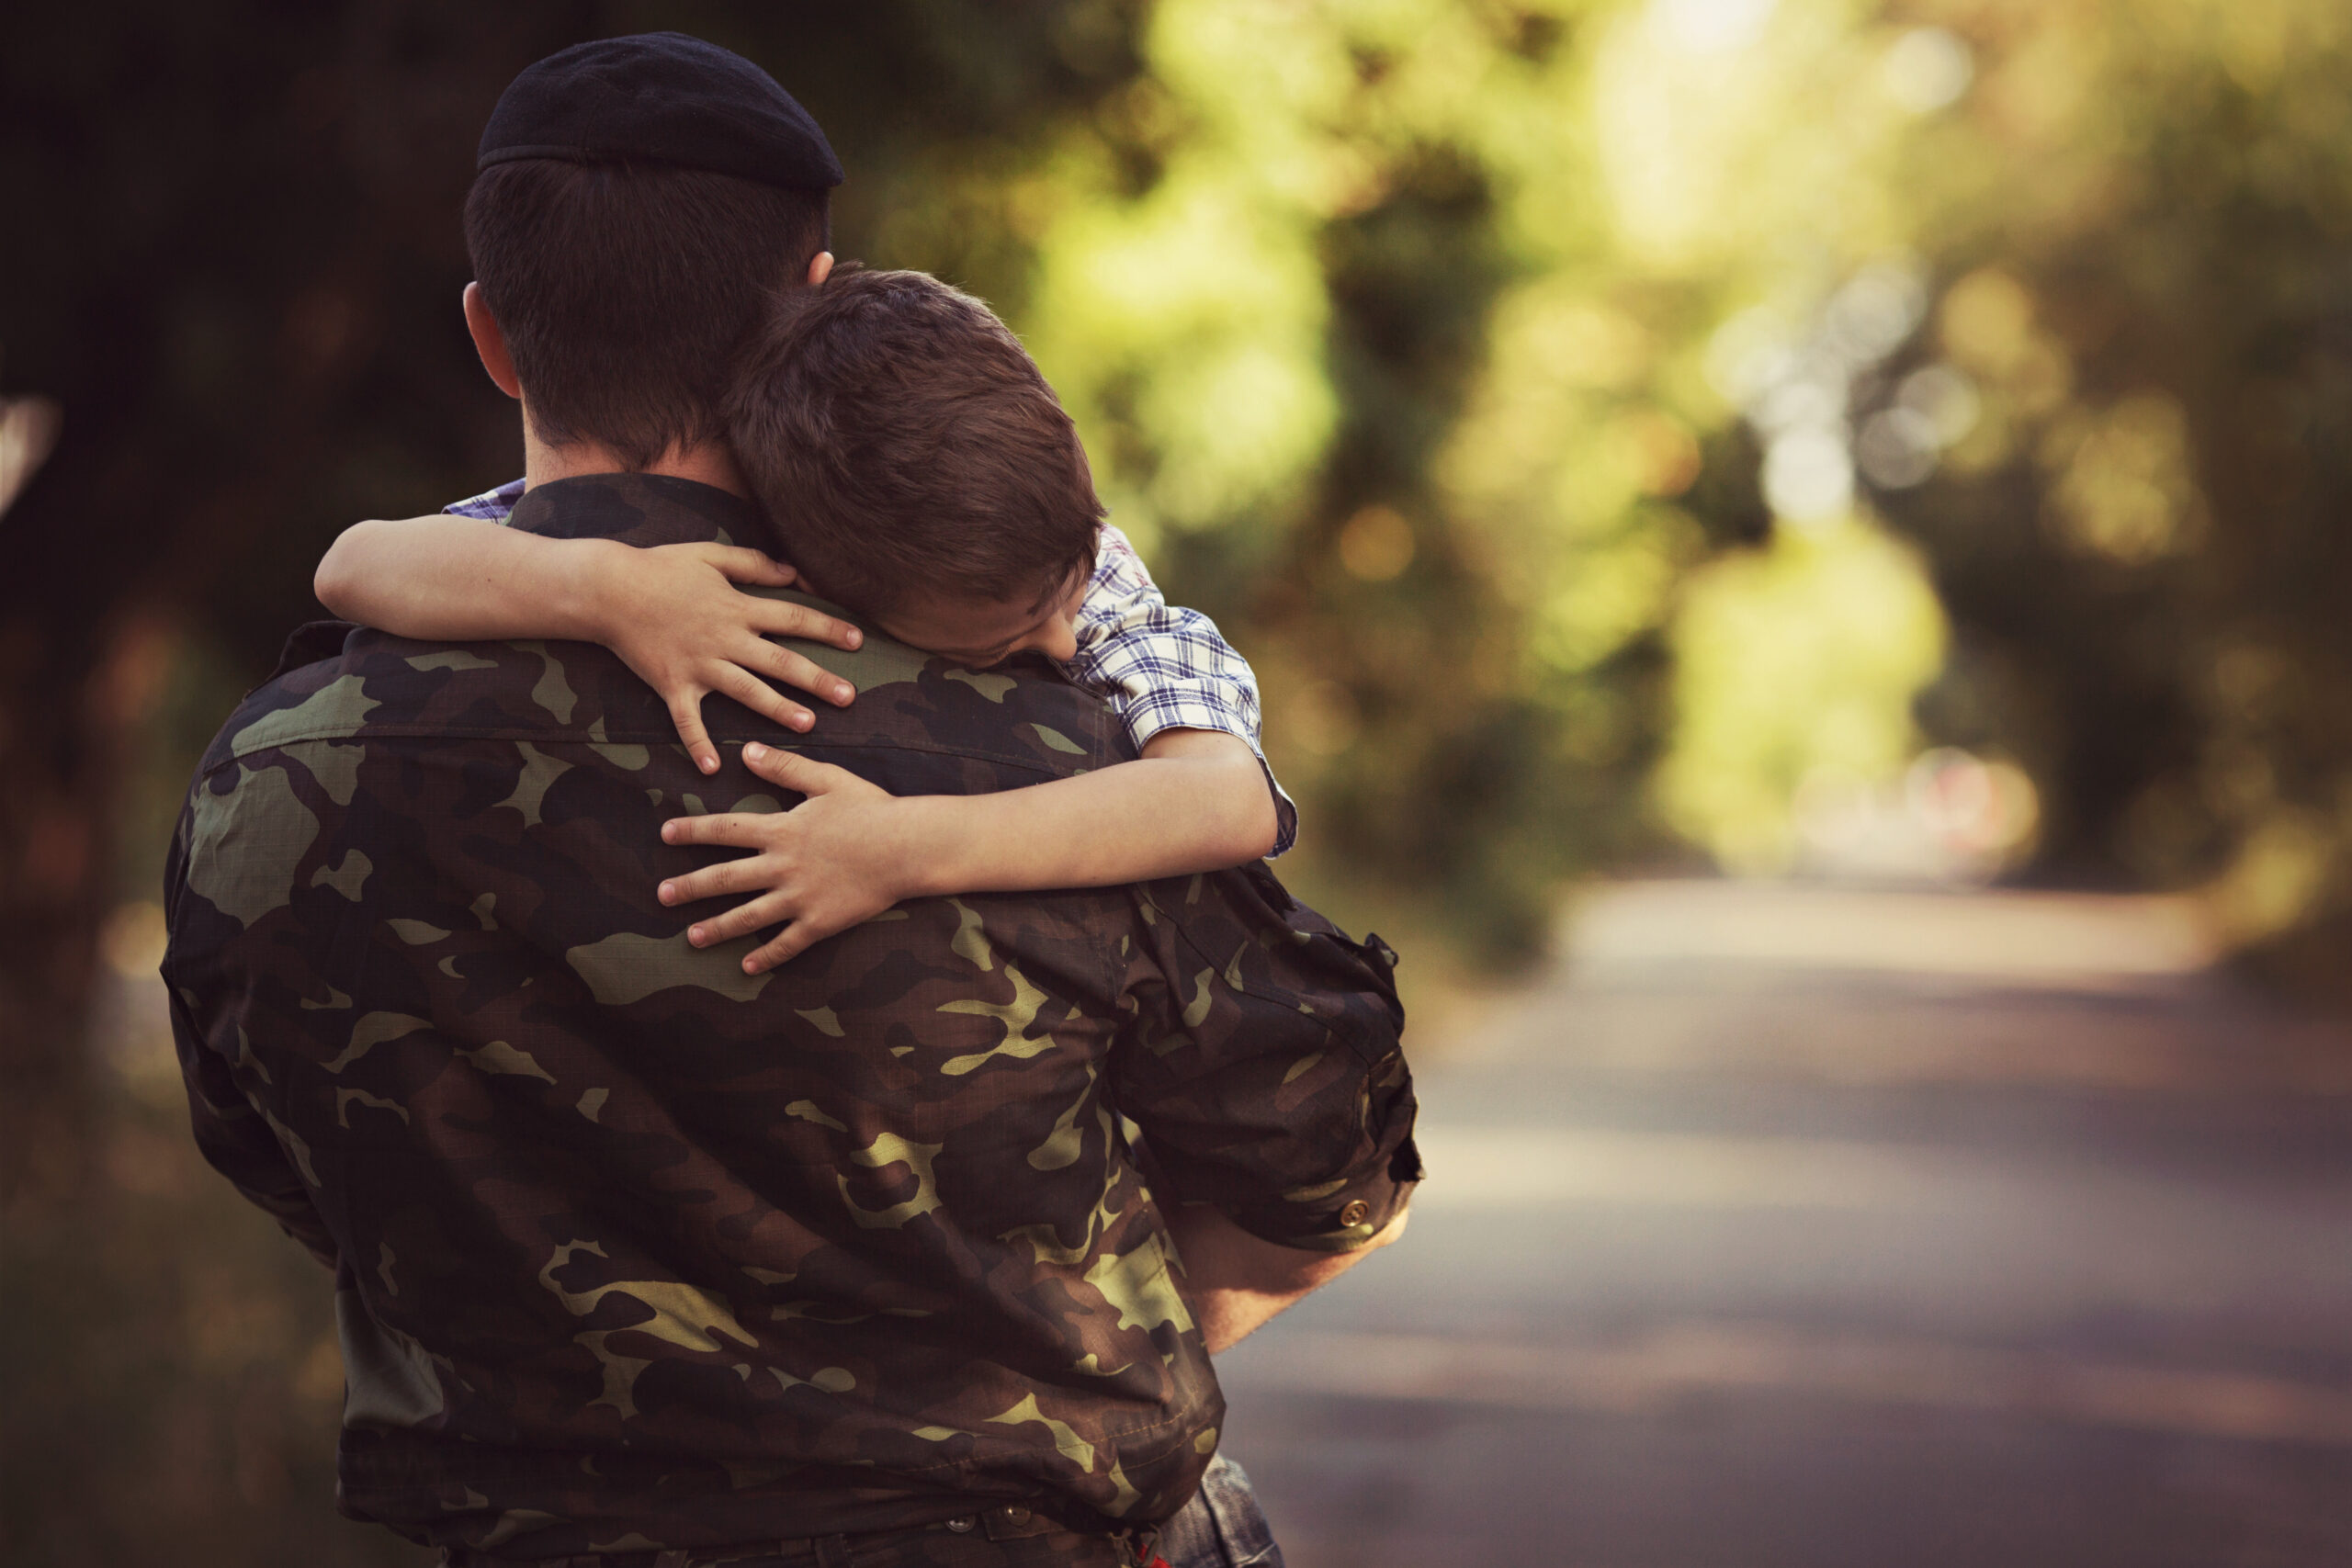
(902, 440)
(625, 291)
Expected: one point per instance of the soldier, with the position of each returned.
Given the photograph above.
(642, 1259)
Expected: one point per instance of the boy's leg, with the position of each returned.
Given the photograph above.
(1222, 1527)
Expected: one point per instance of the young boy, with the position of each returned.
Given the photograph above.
(899, 437)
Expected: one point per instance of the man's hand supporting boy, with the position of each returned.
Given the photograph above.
(1197, 800)
(1240, 1281)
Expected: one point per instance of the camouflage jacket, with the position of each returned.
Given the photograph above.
(633, 1250)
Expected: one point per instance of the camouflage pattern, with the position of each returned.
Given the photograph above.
(634, 1251)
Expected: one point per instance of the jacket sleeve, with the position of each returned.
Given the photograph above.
(1262, 1063)
(237, 1137)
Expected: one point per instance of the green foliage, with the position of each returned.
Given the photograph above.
(2142, 544)
(1794, 663)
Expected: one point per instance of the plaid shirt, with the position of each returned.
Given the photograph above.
(1159, 665)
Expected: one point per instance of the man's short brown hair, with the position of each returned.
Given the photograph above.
(625, 290)
(902, 441)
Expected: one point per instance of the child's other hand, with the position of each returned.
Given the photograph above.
(825, 866)
(675, 617)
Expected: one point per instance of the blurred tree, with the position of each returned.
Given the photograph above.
(1342, 350)
(2142, 539)
(2063, 286)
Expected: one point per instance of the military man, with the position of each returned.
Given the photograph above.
(641, 1260)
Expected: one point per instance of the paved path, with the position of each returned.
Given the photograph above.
(1810, 1227)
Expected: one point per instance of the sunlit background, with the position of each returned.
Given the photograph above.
(1867, 452)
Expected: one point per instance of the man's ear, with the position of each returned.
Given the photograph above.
(820, 267)
(491, 342)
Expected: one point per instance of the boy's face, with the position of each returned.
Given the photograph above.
(981, 632)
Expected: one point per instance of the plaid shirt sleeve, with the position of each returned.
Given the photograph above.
(1160, 665)
(490, 506)
(1164, 667)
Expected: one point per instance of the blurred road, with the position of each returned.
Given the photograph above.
(1812, 1227)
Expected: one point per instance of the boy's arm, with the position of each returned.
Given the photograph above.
(1195, 801)
(671, 613)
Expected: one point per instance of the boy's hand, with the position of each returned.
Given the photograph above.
(830, 862)
(675, 617)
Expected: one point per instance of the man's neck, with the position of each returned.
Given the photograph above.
(710, 463)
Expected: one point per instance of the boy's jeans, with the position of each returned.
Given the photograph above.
(1222, 1527)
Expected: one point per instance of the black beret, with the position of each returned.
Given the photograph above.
(663, 96)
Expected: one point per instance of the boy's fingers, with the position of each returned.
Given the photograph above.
(779, 618)
(761, 698)
(737, 564)
(741, 921)
(738, 829)
(802, 775)
(685, 712)
(714, 882)
(789, 943)
(799, 669)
